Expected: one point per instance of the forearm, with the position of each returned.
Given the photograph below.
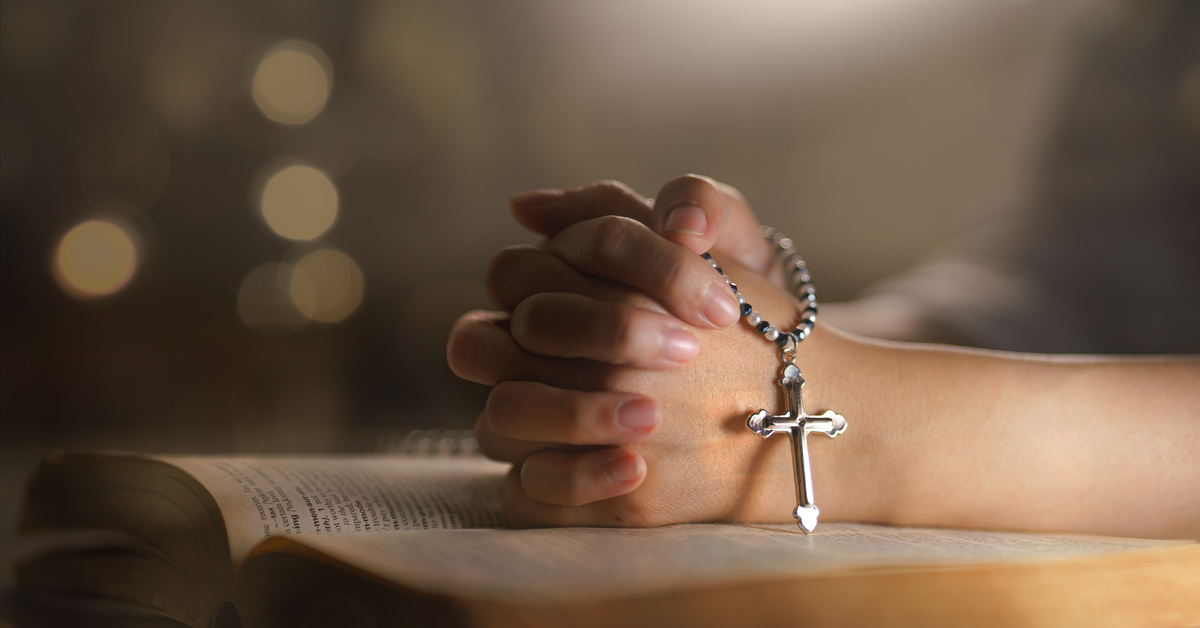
(956, 437)
(937, 436)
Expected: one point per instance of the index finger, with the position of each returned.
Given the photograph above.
(706, 215)
(626, 251)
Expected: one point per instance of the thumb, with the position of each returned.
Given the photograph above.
(702, 215)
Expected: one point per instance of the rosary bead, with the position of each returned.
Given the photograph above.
(795, 422)
(801, 280)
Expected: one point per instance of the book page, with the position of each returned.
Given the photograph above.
(600, 562)
(263, 496)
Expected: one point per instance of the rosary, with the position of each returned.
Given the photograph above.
(794, 422)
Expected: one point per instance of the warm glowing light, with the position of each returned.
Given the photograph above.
(95, 259)
(299, 203)
(326, 286)
(264, 303)
(293, 82)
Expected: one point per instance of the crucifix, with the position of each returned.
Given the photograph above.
(797, 424)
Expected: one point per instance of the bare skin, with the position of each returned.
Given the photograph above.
(938, 435)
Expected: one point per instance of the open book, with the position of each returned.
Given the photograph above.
(375, 540)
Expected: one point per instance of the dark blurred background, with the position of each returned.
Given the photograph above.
(248, 226)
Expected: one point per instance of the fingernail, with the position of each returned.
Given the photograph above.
(687, 219)
(535, 198)
(637, 414)
(679, 345)
(721, 307)
(622, 469)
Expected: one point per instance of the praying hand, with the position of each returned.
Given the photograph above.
(623, 380)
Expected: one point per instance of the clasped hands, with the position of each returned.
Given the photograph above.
(622, 380)
(621, 375)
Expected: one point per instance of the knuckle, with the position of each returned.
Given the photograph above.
(575, 426)
(534, 481)
(506, 261)
(478, 350)
(686, 184)
(485, 439)
(556, 479)
(462, 347)
(623, 335)
(608, 239)
(610, 190)
(670, 272)
(528, 320)
(673, 278)
(579, 475)
(502, 267)
(499, 404)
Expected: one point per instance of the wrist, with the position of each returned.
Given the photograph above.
(841, 372)
(852, 473)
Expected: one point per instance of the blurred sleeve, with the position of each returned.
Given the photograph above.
(1101, 252)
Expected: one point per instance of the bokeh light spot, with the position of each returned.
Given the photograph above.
(94, 259)
(299, 203)
(326, 286)
(293, 82)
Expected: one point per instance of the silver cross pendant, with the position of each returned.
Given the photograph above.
(797, 424)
